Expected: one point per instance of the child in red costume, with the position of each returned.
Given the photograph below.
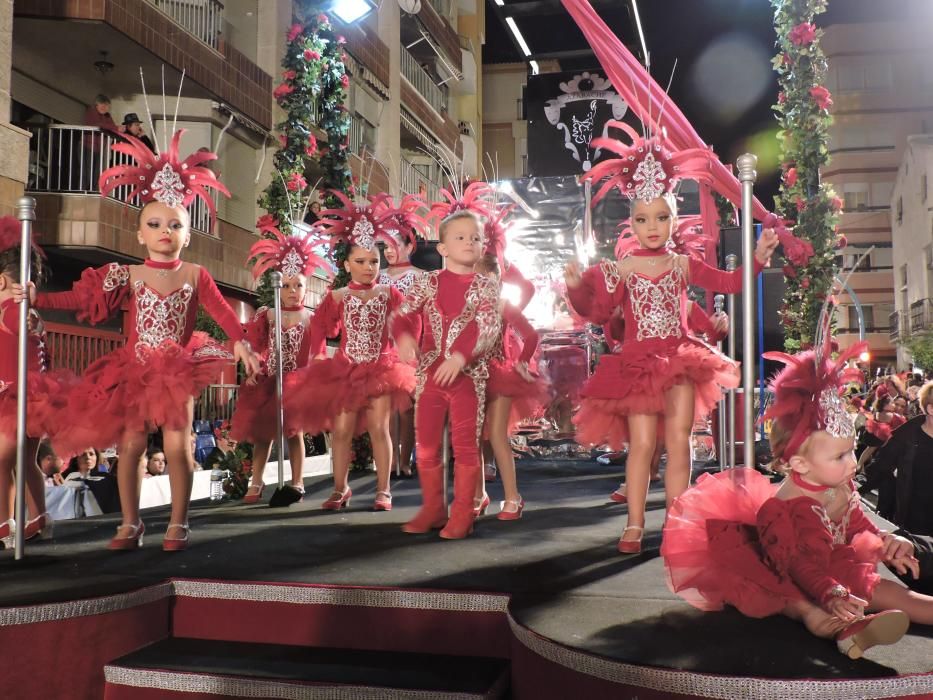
(152, 381)
(46, 390)
(254, 419)
(802, 548)
(459, 313)
(357, 389)
(661, 371)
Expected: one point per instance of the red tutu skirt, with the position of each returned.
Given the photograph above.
(713, 557)
(529, 399)
(253, 418)
(47, 396)
(636, 380)
(121, 392)
(317, 393)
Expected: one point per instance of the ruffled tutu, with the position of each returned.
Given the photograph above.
(713, 556)
(529, 399)
(636, 380)
(319, 392)
(120, 392)
(253, 418)
(47, 396)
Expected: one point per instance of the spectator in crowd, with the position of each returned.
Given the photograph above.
(902, 471)
(50, 464)
(134, 127)
(314, 213)
(98, 115)
(84, 465)
(155, 462)
(86, 171)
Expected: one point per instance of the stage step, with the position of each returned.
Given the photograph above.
(212, 669)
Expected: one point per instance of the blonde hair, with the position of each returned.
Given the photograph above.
(456, 216)
(779, 437)
(925, 396)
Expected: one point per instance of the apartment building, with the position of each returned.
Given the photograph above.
(414, 98)
(881, 80)
(912, 227)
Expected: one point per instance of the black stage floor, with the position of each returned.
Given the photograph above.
(559, 563)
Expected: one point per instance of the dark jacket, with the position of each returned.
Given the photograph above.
(923, 550)
(897, 454)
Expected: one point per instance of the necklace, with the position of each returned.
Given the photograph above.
(812, 488)
(652, 257)
(162, 268)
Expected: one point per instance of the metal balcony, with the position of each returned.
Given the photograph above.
(66, 159)
(422, 81)
(921, 316)
(203, 19)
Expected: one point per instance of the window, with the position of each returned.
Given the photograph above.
(863, 136)
(855, 195)
(864, 74)
(868, 314)
(881, 193)
(900, 210)
(923, 188)
(856, 261)
(902, 277)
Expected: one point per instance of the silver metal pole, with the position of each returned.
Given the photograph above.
(279, 411)
(718, 302)
(746, 165)
(26, 213)
(731, 263)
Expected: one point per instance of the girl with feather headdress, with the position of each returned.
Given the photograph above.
(253, 420)
(661, 373)
(151, 382)
(357, 389)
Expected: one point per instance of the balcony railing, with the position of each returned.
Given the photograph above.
(921, 316)
(66, 159)
(422, 81)
(74, 347)
(446, 9)
(414, 182)
(202, 19)
(897, 323)
(216, 402)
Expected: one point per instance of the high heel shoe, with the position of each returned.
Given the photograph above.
(40, 527)
(511, 514)
(618, 496)
(480, 505)
(7, 529)
(872, 630)
(253, 493)
(383, 501)
(338, 500)
(631, 546)
(134, 541)
(176, 544)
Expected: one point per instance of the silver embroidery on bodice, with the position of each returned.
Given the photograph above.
(656, 304)
(160, 319)
(403, 284)
(291, 344)
(363, 323)
(838, 531)
(611, 276)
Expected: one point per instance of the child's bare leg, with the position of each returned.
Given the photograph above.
(678, 423)
(891, 595)
(296, 458)
(642, 430)
(817, 621)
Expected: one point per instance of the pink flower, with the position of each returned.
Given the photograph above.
(289, 75)
(842, 242)
(805, 283)
(267, 221)
(294, 32)
(789, 271)
(296, 182)
(283, 90)
(311, 55)
(790, 177)
(796, 250)
(803, 34)
(345, 80)
(821, 96)
(837, 203)
(800, 203)
(782, 98)
(341, 40)
(283, 140)
(322, 18)
(311, 149)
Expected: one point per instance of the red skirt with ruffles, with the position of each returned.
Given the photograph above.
(317, 393)
(121, 392)
(253, 418)
(46, 397)
(636, 380)
(713, 556)
(529, 399)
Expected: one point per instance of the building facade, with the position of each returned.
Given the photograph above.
(912, 226)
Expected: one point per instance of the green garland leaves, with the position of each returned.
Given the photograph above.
(802, 111)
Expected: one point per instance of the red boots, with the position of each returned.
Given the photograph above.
(461, 512)
(433, 514)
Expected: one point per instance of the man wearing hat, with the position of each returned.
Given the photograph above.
(134, 127)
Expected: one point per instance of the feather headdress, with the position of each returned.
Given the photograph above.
(11, 236)
(361, 223)
(291, 255)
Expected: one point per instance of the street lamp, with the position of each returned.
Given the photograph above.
(350, 11)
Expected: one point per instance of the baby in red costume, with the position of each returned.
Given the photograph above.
(459, 310)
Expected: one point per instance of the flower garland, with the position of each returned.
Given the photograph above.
(803, 114)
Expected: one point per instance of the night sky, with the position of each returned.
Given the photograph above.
(723, 82)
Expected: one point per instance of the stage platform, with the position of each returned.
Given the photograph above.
(548, 593)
